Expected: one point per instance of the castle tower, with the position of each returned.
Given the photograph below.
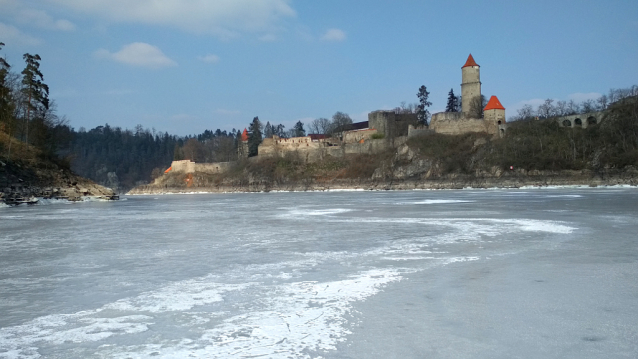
(471, 83)
(494, 117)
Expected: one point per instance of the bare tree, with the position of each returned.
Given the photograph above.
(602, 103)
(588, 106)
(572, 108)
(561, 108)
(477, 105)
(339, 121)
(406, 108)
(524, 113)
(546, 110)
(319, 126)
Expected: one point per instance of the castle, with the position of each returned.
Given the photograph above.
(391, 129)
(456, 123)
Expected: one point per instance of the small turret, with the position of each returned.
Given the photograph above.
(494, 116)
(242, 146)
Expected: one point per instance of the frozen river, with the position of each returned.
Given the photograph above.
(538, 273)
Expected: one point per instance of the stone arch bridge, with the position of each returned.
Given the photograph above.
(582, 120)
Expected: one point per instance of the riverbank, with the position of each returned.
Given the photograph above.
(28, 183)
(514, 179)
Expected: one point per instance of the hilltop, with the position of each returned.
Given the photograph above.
(534, 153)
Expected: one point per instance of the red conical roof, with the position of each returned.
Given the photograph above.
(244, 135)
(470, 62)
(494, 104)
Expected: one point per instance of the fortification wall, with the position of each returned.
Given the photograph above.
(419, 131)
(453, 123)
(367, 147)
(187, 166)
(380, 120)
(358, 135)
(391, 124)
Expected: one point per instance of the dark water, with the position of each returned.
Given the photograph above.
(533, 273)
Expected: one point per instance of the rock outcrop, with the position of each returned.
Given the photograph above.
(25, 183)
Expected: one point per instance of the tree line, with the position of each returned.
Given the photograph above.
(551, 108)
(26, 113)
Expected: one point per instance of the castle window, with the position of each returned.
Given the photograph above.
(567, 123)
(499, 122)
(578, 122)
(591, 120)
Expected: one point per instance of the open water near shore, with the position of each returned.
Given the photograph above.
(538, 273)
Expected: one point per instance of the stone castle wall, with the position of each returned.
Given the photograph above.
(454, 123)
(187, 166)
(358, 135)
(391, 124)
(419, 131)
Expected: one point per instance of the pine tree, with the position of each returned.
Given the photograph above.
(452, 102)
(268, 130)
(7, 104)
(36, 92)
(255, 138)
(422, 113)
(299, 130)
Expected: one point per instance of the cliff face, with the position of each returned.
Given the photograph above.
(20, 182)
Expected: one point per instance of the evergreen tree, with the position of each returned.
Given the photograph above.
(422, 113)
(268, 130)
(298, 130)
(35, 92)
(7, 105)
(255, 138)
(452, 102)
(279, 130)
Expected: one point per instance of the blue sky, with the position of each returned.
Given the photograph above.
(184, 66)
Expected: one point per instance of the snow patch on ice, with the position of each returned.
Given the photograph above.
(318, 212)
(436, 201)
(93, 325)
(178, 296)
(296, 318)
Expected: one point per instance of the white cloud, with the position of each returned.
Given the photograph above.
(222, 18)
(11, 36)
(211, 59)
(41, 19)
(580, 97)
(23, 14)
(334, 35)
(138, 54)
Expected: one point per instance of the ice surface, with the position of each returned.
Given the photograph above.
(472, 273)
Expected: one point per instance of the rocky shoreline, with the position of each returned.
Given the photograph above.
(24, 184)
(515, 179)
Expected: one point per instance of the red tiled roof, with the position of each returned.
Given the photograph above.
(494, 104)
(244, 135)
(470, 62)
